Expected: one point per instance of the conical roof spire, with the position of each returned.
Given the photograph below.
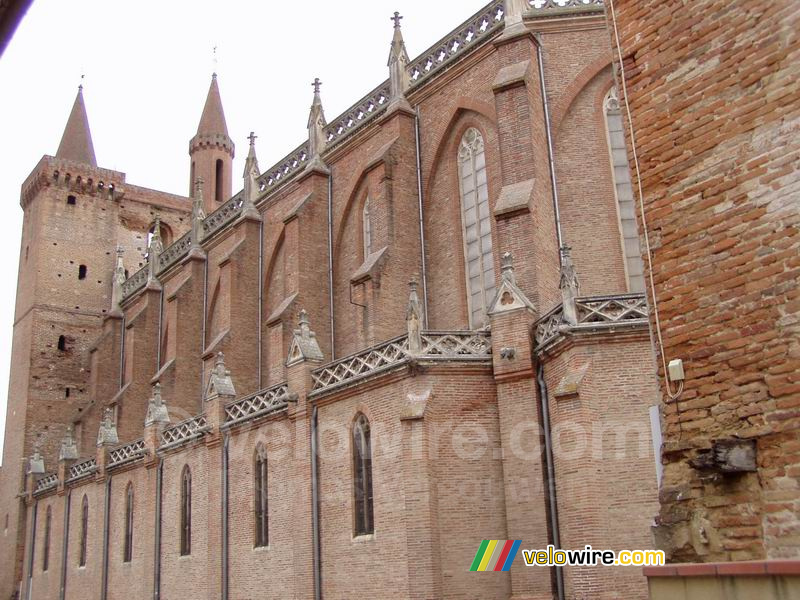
(212, 122)
(76, 143)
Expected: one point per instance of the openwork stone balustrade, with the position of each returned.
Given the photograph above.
(47, 482)
(435, 345)
(127, 453)
(184, 431)
(82, 469)
(594, 313)
(255, 405)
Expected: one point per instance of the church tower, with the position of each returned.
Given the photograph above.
(75, 216)
(211, 152)
(64, 284)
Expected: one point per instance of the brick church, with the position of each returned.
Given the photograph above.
(425, 327)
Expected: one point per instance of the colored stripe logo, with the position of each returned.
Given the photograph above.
(495, 555)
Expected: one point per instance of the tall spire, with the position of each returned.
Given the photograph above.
(251, 187)
(211, 152)
(316, 123)
(399, 79)
(316, 131)
(212, 122)
(76, 143)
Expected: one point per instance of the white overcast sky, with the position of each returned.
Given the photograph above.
(147, 67)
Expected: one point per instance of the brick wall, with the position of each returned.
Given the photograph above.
(713, 93)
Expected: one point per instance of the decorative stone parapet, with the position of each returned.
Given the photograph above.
(453, 346)
(595, 313)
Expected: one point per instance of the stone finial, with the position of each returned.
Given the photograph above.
(198, 214)
(508, 296)
(304, 344)
(570, 288)
(69, 449)
(107, 434)
(316, 129)
(156, 243)
(154, 250)
(220, 382)
(36, 462)
(507, 268)
(399, 79)
(414, 319)
(156, 409)
(251, 187)
(514, 10)
(116, 283)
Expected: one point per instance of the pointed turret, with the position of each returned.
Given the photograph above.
(316, 131)
(211, 151)
(399, 79)
(76, 143)
(212, 121)
(251, 187)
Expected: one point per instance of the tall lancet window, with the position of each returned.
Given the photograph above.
(186, 511)
(128, 548)
(261, 505)
(362, 477)
(624, 191)
(366, 229)
(84, 532)
(476, 222)
(48, 519)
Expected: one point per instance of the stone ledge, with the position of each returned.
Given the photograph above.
(725, 569)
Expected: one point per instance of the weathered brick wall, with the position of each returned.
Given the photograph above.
(84, 581)
(193, 575)
(131, 579)
(603, 452)
(713, 92)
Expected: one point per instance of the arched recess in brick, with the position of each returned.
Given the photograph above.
(590, 223)
(444, 250)
(567, 97)
(275, 334)
(352, 302)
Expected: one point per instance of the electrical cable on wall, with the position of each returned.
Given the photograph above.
(677, 394)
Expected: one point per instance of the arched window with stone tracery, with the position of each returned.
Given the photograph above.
(623, 189)
(476, 226)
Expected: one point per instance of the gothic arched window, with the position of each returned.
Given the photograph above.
(476, 223)
(366, 226)
(128, 552)
(46, 548)
(261, 501)
(84, 532)
(186, 511)
(634, 267)
(362, 477)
